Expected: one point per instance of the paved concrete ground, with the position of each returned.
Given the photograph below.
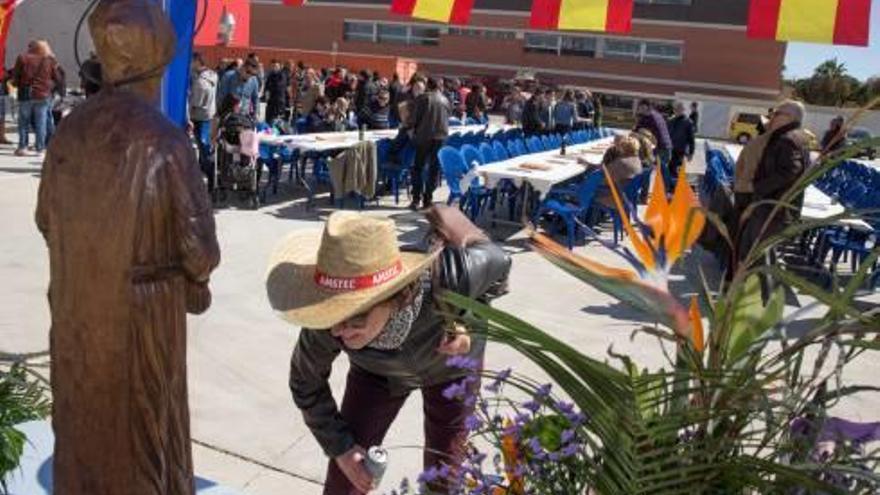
(247, 433)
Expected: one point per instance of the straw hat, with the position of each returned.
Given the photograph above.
(318, 280)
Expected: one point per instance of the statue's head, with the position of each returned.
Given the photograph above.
(135, 41)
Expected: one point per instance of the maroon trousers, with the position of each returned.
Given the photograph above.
(370, 408)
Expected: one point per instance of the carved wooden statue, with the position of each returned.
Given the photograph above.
(132, 242)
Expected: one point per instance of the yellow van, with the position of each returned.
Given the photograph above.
(744, 127)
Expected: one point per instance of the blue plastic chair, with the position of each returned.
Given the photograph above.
(547, 142)
(302, 125)
(488, 152)
(501, 152)
(513, 149)
(575, 210)
(534, 145)
(472, 156)
(270, 160)
(454, 167)
(454, 140)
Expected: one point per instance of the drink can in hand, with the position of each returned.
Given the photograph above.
(376, 463)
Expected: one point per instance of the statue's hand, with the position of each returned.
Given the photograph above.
(198, 297)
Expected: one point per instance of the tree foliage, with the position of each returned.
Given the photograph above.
(832, 85)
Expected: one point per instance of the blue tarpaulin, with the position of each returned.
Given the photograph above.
(175, 87)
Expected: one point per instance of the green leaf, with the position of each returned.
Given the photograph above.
(751, 318)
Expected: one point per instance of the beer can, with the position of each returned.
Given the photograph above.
(376, 463)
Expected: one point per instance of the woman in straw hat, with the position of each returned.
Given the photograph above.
(353, 290)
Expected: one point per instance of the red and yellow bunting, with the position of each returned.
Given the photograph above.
(7, 9)
(447, 11)
(614, 16)
(294, 3)
(838, 22)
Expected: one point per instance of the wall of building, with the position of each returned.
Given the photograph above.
(716, 59)
(55, 21)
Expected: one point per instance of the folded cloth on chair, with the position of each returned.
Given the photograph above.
(355, 170)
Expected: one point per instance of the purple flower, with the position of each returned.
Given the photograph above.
(569, 450)
(500, 379)
(535, 445)
(472, 423)
(455, 390)
(463, 362)
(522, 419)
(543, 391)
(576, 419)
(430, 475)
(567, 436)
(532, 406)
(565, 407)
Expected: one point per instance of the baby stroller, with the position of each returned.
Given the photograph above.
(237, 153)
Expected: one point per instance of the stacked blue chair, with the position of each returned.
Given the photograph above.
(547, 142)
(573, 211)
(534, 145)
(488, 153)
(455, 140)
(472, 156)
(500, 150)
(455, 167)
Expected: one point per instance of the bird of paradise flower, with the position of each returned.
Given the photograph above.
(669, 229)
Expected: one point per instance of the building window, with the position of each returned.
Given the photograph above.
(579, 45)
(665, 2)
(392, 33)
(359, 31)
(542, 43)
(492, 34)
(663, 53)
(395, 33)
(424, 35)
(623, 49)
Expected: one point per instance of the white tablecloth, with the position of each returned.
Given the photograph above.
(562, 168)
(328, 141)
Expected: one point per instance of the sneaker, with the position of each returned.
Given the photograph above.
(414, 206)
(21, 152)
(427, 203)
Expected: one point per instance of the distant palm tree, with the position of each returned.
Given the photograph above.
(832, 69)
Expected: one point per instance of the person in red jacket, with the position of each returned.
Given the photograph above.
(36, 75)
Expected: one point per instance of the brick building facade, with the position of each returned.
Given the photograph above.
(675, 47)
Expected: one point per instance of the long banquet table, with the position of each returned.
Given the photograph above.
(544, 170)
(330, 141)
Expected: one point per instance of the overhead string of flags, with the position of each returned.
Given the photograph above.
(838, 22)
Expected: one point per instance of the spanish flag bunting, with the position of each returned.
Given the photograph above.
(447, 11)
(294, 3)
(614, 16)
(7, 8)
(838, 22)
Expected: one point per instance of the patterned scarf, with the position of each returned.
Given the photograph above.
(400, 324)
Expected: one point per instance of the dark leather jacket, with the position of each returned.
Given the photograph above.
(479, 271)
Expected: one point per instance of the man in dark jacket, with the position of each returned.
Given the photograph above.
(431, 118)
(397, 339)
(681, 133)
(652, 120)
(276, 93)
(531, 118)
(785, 158)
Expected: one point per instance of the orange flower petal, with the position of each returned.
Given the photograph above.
(546, 244)
(642, 249)
(680, 236)
(658, 209)
(697, 337)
